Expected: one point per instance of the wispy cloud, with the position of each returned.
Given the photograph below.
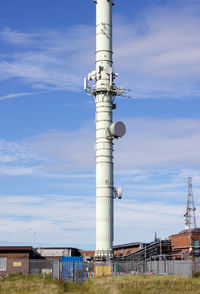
(72, 219)
(17, 151)
(154, 142)
(19, 38)
(53, 60)
(17, 170)
(148, 143)
(159, 141)
(158, 56)
(68, 151)
(154, 182)
(15, 95)
(17, 159)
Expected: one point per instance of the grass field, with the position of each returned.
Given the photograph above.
(37, 284)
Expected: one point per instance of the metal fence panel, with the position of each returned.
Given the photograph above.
(56, 270)
(72, 268)
(40, 266)
(169, 267)
(157, 266)
(183, 268)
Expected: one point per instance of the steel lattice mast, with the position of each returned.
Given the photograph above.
(104, 92)
(189, 216)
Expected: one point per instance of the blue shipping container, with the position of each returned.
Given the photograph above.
(70, 264)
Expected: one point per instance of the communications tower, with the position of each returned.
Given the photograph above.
(100, 84)
(190, 218)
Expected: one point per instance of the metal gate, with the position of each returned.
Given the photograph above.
(72, 268)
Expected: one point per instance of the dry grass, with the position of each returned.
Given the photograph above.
(144, 285)
(36, 284)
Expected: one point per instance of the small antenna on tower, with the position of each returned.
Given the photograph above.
(189, 215)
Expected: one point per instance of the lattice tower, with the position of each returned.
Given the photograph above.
(190, 218)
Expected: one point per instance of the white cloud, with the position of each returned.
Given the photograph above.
(71, 219)
(15, 95)
(148, 143)
(18, 159)
(48, 59)
(17, 151)
(138, 221)
(153, 177)
(159, 141)
(68, 151)
(18, 38)
(17, 171)
(157, 56)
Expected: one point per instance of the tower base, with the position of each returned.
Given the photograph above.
(103, 255)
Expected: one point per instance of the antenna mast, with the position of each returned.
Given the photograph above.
(190, 208)
(100, 84)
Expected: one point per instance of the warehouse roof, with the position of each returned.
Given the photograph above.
(16, 248)
(127, 245)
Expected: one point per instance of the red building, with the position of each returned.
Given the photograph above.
(186, 244)
(15, 259)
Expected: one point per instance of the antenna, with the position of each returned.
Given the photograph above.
(34, 239)
(189, 215)
(117, 193)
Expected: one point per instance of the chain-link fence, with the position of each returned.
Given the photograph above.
(157, 267)
(31, 266)
(75, 270)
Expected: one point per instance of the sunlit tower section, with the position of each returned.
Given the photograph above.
(100, 84)
(190, 218)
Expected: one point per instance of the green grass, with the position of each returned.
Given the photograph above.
(38, 284)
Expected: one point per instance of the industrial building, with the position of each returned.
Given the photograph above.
(186, 244)
(15, 259)
(57, 253)
(126, 249)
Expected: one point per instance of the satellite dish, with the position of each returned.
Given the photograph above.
(119, 192)
(117, 129)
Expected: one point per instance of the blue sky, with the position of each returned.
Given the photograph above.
(47, 126)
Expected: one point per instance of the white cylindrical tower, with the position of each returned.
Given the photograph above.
(104, 145)
(104, 92)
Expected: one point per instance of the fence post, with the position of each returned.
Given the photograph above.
(73, 272)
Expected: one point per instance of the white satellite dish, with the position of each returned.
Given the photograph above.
(117, 129)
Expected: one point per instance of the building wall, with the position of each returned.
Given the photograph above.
(183, 245)
(16, 263)
(57, 253)
(51, 252)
